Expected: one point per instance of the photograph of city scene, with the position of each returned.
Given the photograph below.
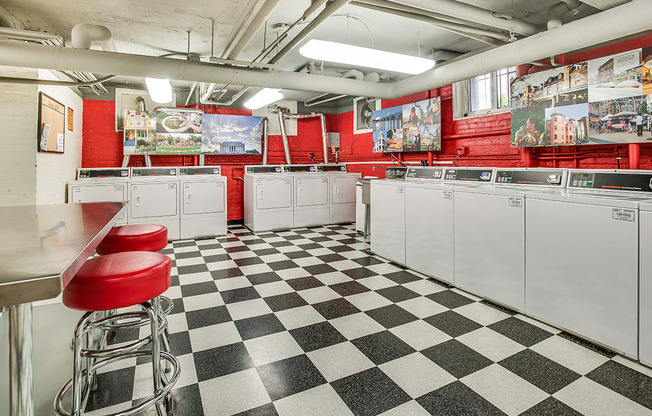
(622, 120)
(616, 76)
(647, 70)
(411, 128)
(565, 85)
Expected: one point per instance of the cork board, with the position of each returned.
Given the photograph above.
(51, 124)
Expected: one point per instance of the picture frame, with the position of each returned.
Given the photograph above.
(71, 119)
(51, 125)
(363, 109)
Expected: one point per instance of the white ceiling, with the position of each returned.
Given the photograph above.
(159, 27)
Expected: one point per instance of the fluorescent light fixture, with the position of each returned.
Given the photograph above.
(263, 97)
(159, 89)
(371, 58)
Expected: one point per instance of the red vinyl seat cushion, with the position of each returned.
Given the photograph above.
(134, 237)
(118, 280)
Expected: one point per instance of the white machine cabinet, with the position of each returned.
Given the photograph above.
(582, 252)
(388, 219)
(342, 192)
(645, 303)
(203, 201)
(154, 198)
(429, 223)
(310, 195)
(268, 201)
(100, 185)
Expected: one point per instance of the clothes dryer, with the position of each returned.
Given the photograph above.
(645, 276)
(100, 185)
(203, 201)
(268, 202)
(341, 193)
(310, 195)
(154, 198)
(582, 256)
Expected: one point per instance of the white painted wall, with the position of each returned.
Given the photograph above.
(54, 170)
(18, 119)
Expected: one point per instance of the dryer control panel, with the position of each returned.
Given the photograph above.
(525, 177)
(425, 173)
(103, 173)
(331, 168)
(142, 172)
(472, 175)
(264, 169)
(613, 181)
(299, 168)
(199, 170)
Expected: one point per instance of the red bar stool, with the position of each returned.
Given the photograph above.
(111, 282)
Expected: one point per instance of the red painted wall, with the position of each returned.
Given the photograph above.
(480, 141)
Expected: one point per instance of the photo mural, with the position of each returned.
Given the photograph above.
(190, 133)
(414, 127)
(602, 101)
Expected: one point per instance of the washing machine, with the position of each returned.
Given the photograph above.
(582, 256)
(341, 193)
(490, 233)
(268, 202)
(310, 195)
(203, 201)
(154, 198)
(100, 185)
(388, 217)
(645, 281)
(429, 223)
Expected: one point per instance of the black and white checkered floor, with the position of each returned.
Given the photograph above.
(308, 322)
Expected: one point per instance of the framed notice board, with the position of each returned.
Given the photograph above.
(51, 124)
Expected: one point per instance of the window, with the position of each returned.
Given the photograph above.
(484, 94)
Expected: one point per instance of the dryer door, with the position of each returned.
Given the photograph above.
(273, 193)
(343, 189)
(157, 199)
(311, 191)
(98, 193)
(203, 197)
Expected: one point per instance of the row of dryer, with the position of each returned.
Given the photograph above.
(568, 247)
(280, 197)
(189, 201)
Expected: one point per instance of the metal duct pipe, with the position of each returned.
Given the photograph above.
(572, 36)
(11, 80)
(83, 35)
(284, 136)
(265, 134)
(474, 14)
(256, 23)
(324, 136)
(328, 11)
(141, 104)
(20, 34)
(238, 25)
(557, 12)
(353, 73)
(396, 6)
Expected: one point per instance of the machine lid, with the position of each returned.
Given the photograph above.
(264, 169)
(299, 168)
(199, 170)
(164, 171)
(331, 168)
(530, 177)
(425, 173)
(109, 173)
(464, 175)
(639, 182)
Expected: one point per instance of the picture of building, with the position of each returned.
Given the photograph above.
(231, 134)
(561, 86)
(566, 125)
(614, 121)
(616, 76)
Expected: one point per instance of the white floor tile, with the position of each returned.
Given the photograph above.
(490, 343)
(318, 401)
(232, 283)
(339, 360)
(410, 408)
(318, 294)
(368, 300)
(274, 288)
(233, 393)
(416, 374)
(420, 335)
(356, 325)
(213, 336)
(425, 287)
(570, 355)
(333, 278)
(591, 398)
(422, 307)
(270, 348)
(208, 300)
(377, 282)
(299, 317)
(248, 309)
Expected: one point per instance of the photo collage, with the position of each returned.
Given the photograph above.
(414, 127)
(602, 101)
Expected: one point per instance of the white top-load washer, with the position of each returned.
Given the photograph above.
(490, 233)
(341, 192)
(100, 185)
(429, 223)
(310, 195)
(645, 281)
(268, 202)
(582, 256)
(388, 215)
(203, 201)
(154, 198)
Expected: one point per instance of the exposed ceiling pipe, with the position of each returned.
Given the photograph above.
(396, 6)
(444, 55)
(557, 12)
(265, 121)
(20, 34)
(11, 80)
(246, 13)
(354, 74)
(83, 35)
(322, 119)
(284, 136)
(474, 14)
(257, 22)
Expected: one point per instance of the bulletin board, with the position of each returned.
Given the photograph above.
(51, 124)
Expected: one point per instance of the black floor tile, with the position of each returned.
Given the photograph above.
(186, 401)
(261, 278)
(456, 399)
(208, 316)
(248, 261)
(226, 273)
(194, 268)
(179, 343)
(239, 295)
(217, 258)
(290, 376)
(309, 246)
(456, 358)
(259, 326)
(319, 269)
(316, 336)
(237, 249)
(349, 288)
(402, 277)
(391, 315)
(113, 387)
(198, 289)
(359, 273)
(210, 246)
(285, 301)
(265, 410)
(551, 407)
(123, 335)
(178, 244)
(450, 299)
(266, 251)
(520, 331)
(370, 392)
(340, 249)
(320, 239)
(621, 379)
(335, 308)
(452, 323)
(174, 280)
(367, 261)
(304, 283)
(382, 347)
(281, 244)
(177, 308)
(221, 361)
(187, 255)
(282, 265)
(397, 293)
(253, 241)
(330, 258)
(297, 254)
(540, 371)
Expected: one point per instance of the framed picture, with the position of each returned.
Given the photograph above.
(51, 124)
(363, 109)
(70, 118)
